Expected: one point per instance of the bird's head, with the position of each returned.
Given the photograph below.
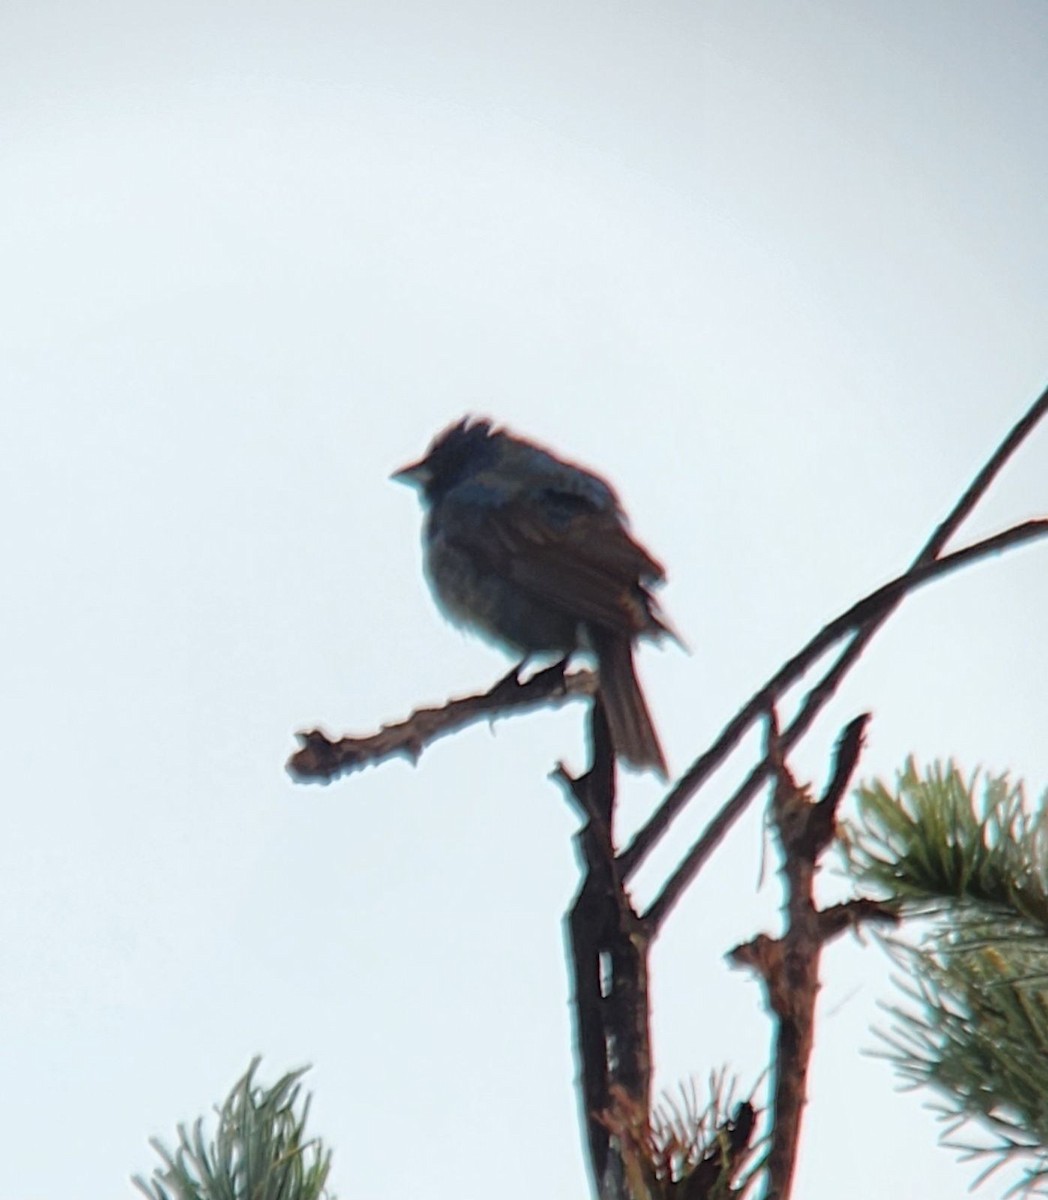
(463, 448)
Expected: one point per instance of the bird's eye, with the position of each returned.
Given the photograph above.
(566, 504)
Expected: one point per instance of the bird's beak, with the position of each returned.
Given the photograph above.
(416, 474)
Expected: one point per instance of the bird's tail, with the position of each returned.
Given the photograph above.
(632, 730)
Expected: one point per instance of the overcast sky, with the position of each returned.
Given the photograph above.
(780, 271)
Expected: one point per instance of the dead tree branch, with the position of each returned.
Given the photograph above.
(788, 966)
(321, 758)
(609, 953)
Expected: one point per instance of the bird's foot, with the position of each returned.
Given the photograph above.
(509, 682)
(553, 674)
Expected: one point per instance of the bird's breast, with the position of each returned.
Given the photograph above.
(475, 596)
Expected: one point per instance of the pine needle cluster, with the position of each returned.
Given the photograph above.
(969, 856)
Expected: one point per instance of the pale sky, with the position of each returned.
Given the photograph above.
(780, 271)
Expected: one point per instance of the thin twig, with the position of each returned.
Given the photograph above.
(704, 766)
(979, 485)
(868, 614)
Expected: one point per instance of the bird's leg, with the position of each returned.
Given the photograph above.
(554, 673)
(511, 680)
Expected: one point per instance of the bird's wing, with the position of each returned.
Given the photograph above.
(560, 548)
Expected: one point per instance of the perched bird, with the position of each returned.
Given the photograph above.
(535, 552)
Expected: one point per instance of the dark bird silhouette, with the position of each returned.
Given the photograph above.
(535, 552)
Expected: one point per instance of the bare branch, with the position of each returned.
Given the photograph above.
(324, 759)
(981, 483)
(822, 824)
(788, 966)
(704, 766)
(609, 950)
(872, 609)
(839, 918)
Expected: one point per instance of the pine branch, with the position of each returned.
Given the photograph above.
(932, 844)
(258, 1150)
(681, 1150)
(975, 1024)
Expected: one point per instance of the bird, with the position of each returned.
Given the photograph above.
(534, 552)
